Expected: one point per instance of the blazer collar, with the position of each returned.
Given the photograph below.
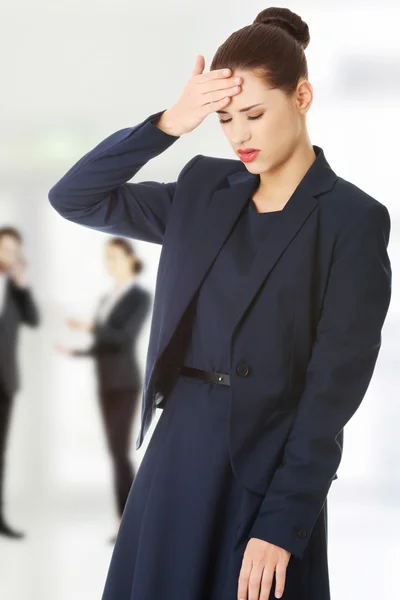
(217, 220)
(116, 301)
(318, 179)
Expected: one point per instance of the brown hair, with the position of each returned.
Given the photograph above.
(273, 47)
(12, 232)
(127, 247)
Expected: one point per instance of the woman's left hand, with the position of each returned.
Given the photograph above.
(260, 561)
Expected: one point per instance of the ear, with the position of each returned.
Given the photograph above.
(304, 96)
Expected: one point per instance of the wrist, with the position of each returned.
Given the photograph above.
(166, 123)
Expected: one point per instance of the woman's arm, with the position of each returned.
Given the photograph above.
(338, 375)
(27, 306)
(95, 193)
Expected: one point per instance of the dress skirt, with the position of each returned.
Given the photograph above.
(187, 518)
(185, 525)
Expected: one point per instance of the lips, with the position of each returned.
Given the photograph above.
(247, 151)
(248, 155)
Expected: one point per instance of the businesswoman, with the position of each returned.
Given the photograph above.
(118, 322)
(272, 289)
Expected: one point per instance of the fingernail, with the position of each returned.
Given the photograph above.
(278, 595)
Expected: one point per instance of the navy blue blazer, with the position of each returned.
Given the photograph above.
(114, 344)
(306, 329)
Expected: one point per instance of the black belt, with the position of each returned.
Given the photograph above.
(207, 376)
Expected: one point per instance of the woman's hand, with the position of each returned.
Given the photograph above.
(203, 94)
(260, 561)
(80, 325)
(18, 273)
(64, 350)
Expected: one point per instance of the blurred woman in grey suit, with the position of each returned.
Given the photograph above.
(116, 327)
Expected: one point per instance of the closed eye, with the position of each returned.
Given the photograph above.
(250, 119)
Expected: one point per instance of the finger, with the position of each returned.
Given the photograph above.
(210, 107)
(255, 582)
(198, 65)
(212, 75)
(243, 582)
(219, 84)
(280, 576)
(266, 583)
(219, 95)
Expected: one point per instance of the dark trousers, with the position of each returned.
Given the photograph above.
(6, 403)
(118, 410)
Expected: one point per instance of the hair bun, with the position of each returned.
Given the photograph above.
(287, 20)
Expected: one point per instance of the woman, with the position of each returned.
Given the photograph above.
(116, 328)
(273, 286)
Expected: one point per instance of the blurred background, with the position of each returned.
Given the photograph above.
(72, 73)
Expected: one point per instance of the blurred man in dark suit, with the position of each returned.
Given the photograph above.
(16, 306)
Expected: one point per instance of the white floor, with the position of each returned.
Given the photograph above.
(67, 553)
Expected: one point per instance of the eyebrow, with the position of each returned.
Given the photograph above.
(225, 112)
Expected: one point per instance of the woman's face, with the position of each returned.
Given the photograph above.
(10, 251)
(118, 263)
(274, 126)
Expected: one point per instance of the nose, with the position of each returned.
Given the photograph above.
(240, 135)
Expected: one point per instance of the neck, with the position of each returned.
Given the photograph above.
(278, 185)
(123, 279)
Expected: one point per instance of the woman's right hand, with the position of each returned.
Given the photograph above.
(64, 350)
(78, 324)
(203, 94)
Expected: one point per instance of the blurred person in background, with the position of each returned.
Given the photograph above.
(116, 328)
(17, 306)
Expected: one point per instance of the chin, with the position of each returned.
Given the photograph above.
(255, 167)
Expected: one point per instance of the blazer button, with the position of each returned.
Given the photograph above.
(242, 370)
(302, 533)
(158, 398)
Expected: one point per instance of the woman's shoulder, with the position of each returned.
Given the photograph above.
(347, 203)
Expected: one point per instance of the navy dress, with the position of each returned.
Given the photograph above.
(184, 529)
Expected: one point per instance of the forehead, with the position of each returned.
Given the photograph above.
(254, 90)
(253, 80)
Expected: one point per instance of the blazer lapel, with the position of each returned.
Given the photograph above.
(202, 246)
(318, 179)
(215, 226)
(295, 213)
(128, 294)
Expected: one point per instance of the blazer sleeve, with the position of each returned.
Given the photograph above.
(95, 193)
(112, 339)
(338, 374)
(27, 307)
